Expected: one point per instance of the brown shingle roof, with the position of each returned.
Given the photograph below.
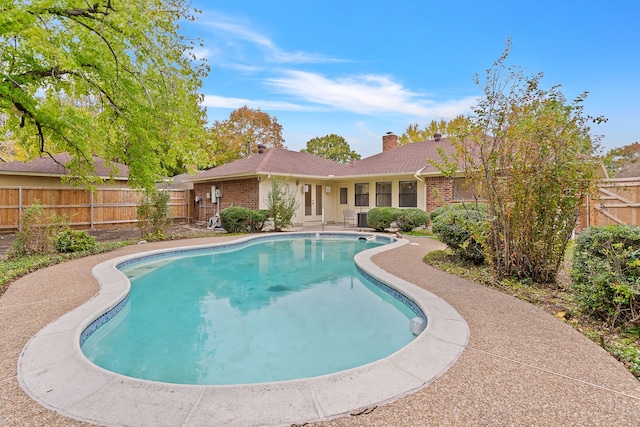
(631, 170)
(405, 159)
(274, 161)
(48, 166)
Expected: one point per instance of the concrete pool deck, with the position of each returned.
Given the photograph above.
(521, 365)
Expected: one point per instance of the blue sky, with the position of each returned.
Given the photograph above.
(362, 68)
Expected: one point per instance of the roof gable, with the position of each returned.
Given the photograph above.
(403, 159)
(277, 161)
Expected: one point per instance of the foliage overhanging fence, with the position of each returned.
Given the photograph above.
(104, 208)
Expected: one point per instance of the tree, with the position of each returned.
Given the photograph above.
(529, 153)
(281, 203)
(240, 135)
(616, 158)
(444, 127)
(115, 79)
(332, 147)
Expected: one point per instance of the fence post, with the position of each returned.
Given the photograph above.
(20, 208)
(91, 209)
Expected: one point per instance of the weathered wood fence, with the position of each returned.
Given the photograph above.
(617, 202)
(104, 208)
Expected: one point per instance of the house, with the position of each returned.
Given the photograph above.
(399, 176)
(47, 172)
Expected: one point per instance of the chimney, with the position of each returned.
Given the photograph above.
(437, 137)
(261, 148)
(389, 141)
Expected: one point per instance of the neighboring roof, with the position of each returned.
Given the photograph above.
(631, 170)
(404, 159)
(177, 182)
(46, 166)
(278, 161)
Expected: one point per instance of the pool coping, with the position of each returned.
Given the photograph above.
(53, 370)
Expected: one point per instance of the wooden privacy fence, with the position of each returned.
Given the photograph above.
(104, 208)
(617, 202)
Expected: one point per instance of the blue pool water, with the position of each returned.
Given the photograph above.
(269, 311)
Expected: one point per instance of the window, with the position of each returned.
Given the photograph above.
(343, 196)
(362, 194)
(408, 194)
(383, 193)
(463, 189)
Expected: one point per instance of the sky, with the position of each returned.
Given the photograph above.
(362, 68)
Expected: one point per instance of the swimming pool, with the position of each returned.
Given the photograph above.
(275, 310)
(53, 370)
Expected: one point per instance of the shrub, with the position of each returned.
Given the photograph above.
(238, 219)
(70, 240)
(606, 273)
(381, 218)
(281, 203)
(257, 220)
(463, 230)
(410, 219)
(153, 215)
(38, 231)
(481, 207)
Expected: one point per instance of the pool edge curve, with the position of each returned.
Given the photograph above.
(53, 370)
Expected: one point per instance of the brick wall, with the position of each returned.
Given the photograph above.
(439, 191)
(237, 192)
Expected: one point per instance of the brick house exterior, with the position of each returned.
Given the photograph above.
(235, 192)
(328, 192)
(439, 192)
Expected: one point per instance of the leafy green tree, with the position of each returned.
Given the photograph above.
(616, 158)
(332, 147)
(530, 154)
(445, 128)
(240, 135)
(111, 78)
(281, 203)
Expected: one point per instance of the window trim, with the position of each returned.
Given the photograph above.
(389, 194)
(361, 199)
(402, 195)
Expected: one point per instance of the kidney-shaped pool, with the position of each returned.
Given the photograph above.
(227, 296)
(273, 310)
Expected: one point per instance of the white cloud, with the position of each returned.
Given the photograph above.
(215, 101)
(235, 32)
(201, 52)
(365, 94)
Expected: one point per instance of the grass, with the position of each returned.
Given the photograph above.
(621, 343)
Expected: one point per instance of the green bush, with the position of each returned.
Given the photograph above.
(238, 219)
(381, 218)
(153, 215)
(462, 229)
(70, 240)
(410, 219)
(481, 207)
(257, 220)
(606, 273)
(38, 231)
(281, 203)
